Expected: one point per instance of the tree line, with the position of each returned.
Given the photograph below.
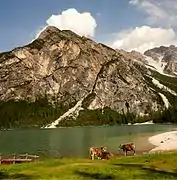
(24, 114)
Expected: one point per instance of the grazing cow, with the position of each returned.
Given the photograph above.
(128, 147)
(96, 152)
(106, 155)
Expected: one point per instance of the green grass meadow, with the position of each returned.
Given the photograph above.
(150, 166)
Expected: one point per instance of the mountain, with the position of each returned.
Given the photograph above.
(166, 57)
(61, 76)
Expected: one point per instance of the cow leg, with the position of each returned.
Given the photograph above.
(125, 153)
(134, 153)
(92, 156)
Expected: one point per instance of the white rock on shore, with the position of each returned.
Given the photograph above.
(164, 142)
(148, 122)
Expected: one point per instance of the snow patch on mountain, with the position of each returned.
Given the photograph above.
(165, 100)
(74, 112)
(161, 86)
(157, 65)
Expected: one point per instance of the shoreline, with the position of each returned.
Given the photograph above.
(166, 141)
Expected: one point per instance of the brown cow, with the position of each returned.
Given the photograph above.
(128, 147)
(106, 155)
(96, 152)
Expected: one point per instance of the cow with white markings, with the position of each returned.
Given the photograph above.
(96, 152)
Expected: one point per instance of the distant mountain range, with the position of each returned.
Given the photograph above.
(62, 76)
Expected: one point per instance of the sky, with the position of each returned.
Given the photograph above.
(121, 24)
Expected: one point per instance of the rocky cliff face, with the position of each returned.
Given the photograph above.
(167, 56)
(66, 68)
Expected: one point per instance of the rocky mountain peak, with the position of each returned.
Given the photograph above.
(48, 31)
(51, 33)
(67, 68)
(166, 56)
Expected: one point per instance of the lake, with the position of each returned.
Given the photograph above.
(75, 141)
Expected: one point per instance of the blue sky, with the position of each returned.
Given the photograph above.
(21, 19)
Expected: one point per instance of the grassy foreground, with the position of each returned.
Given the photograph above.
(154, 166)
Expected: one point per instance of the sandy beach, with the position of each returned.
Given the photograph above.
(164, 141)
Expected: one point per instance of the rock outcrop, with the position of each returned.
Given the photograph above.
(167, 56)
(66, 67)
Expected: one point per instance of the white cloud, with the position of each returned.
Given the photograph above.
(158, 12)
(143, 38)
(83, 24)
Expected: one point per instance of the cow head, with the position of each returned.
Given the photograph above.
(103, 148)
(120, 146)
